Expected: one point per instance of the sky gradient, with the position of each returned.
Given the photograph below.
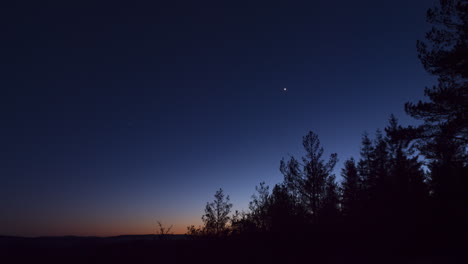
(115, 116)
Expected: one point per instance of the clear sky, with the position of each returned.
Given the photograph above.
(115, 116)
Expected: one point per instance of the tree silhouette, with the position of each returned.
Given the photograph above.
(391, 182)
(367, 177)
(409, 179)
(385, 194)
(216, 215)
(259, 207)
(446, 49)
(311, 184)
(283, 213)
(329, 211)
(350, 188)
(404, 191)
(444, 54)
(443, 137)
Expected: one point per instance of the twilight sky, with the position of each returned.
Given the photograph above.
(114, 116)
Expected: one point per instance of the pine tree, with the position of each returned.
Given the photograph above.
(350, 188)
(329, 210)
(365, 164)
(306, 183)
(444, 134)
(317, 172)
(408, 180)
(443, 137)
(216, 215)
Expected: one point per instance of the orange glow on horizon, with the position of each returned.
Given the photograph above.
(179, 227)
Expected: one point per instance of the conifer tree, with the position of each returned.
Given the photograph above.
(216, 215)
(350, 188)
(443, 136)
(307, 183)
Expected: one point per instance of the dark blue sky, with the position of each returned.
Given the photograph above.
(117, 115)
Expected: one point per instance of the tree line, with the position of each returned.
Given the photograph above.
(406, 179)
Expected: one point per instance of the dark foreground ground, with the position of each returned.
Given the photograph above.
(253, 249)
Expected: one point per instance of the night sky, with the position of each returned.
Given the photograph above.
(115, 116)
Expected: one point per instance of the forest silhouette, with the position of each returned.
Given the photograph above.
(405, 195)
(405, 192)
